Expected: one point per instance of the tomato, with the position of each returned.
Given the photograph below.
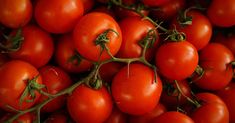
(220, 13)
(176, 60)
(122, 13)
(89, 29)
(55, 80)
(58, 16)
(15, 76)
(3, 59)
(228, 41)
(58, 117)
(106, 10)
(228, 95)
(88, 5)
(134, 30)
(168, 10)
(148, 117)
(155, 3)
(15, 13)
(116, 116)
(173, 117)
(67, 57)
(124, 88)
(215, 59)
(109, 70)
(171, 95)
(199, 32)
(87, 105)
(25, 118)
(212, 109)
(36, 48)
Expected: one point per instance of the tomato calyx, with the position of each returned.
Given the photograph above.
(13, 42)
(30, 89)
(75, 59)
(149, 40)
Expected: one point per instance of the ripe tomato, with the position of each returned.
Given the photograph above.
(212, 109)
(87, 32)
(88, 5)
(154, 3)
(58, 117)
(25, 118)
(215, 59)
(220, 13)
(87, 105)
(228, 41)
(134, 30)
(176, 60)
(37, 47)
(148, 117)
(122, 13)
(168, 10)
(55, 80)
(228, 95)
(67, 57)
(15, 13)
(3, 59)
(116, 116)
(126, 83)
(16, 75)
(173, 117)
(199, 32)
(106, 10)
(58, 16)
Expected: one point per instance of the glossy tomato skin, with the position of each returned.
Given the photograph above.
(86, 105)
(116, 116)
(58, 16)
(88, 28)
(228, 95)
(148, 117)
(173, 117)
(215, 59)
(212, 109)
(220, 13)
(199, 32)
(37, 47)
(15, 13)
(67, 57)
(176, 60)
(134, 29)
(15, 75)
(136, 77)
(55, 80)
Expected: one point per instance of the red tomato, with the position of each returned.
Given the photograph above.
(15, 13)
(116, 116)
(148, 117)
(221, 13)
(134, 30)
(15, 76)
(67, 57)
(215, 59)
(173, 117)
(55, 80)
(88, 30)
(122, 13)
(228, 41)
(25, 118)
(87, 105)
(106, 10)
(199, 32)
(58, 16)
(212, 109)
(58, 117)
(155, 3)
(168, 10)
(176, 60)
(126, 83)
(228, 95)
(37, 47)
(88, 5)
(3, 59)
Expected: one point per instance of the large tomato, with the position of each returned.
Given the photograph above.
(221, 13)
(67, 57)
(55, 80)
(87, 105)
(135, 90)
(199, 32)
(134, 30)
(215, 59)
(36, 48)
(15, 13)
(173, 117)
(176, 60)
(58, 16)
(18, 77)
(92, 32)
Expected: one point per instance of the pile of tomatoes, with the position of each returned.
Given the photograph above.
(117, 61)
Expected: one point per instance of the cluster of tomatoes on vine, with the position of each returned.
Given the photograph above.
(117, 61)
